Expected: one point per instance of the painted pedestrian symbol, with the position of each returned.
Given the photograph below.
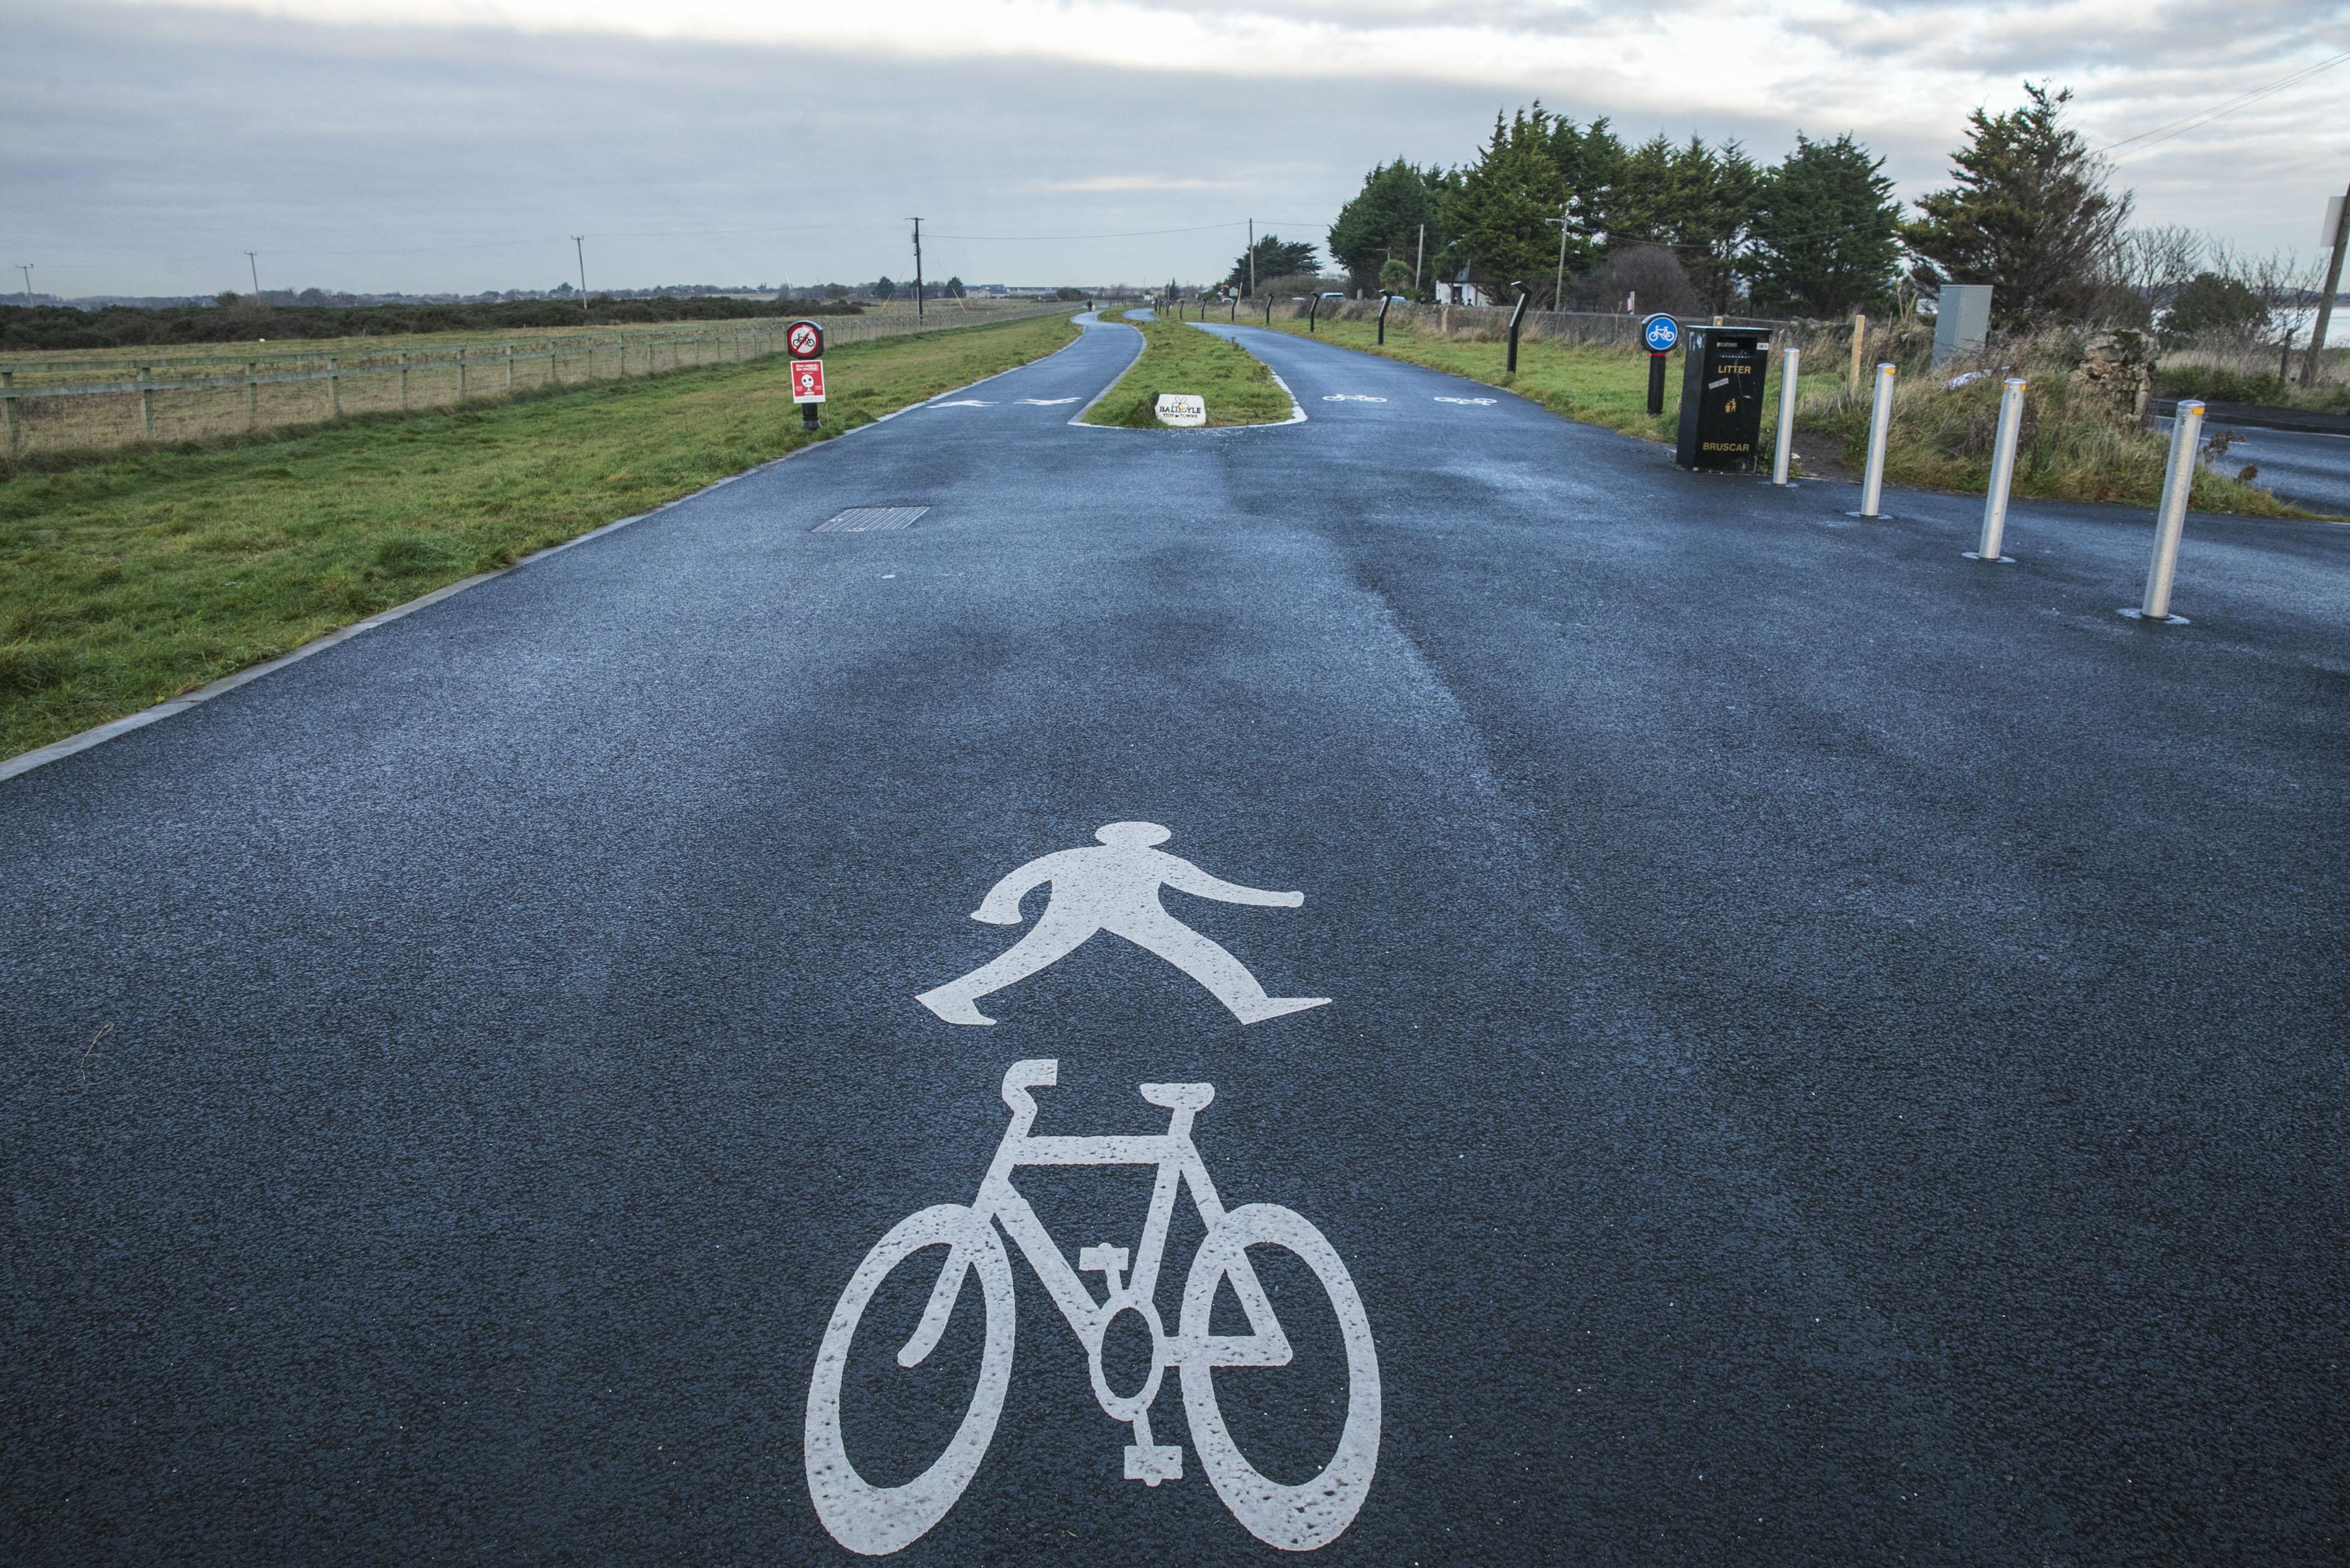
(1115, 888)
(873, 1519)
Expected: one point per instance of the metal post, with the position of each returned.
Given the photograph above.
(1268, 310)
(8, 403)
(1313, 307)
(334, 386)
(1385, 299)
(251, 393)
(1859, 342)
(1880, 419)
(579, 244)
(2171, 515)
(2002, 473)
(146, 404)
(1517, 317)
(461, 375)
(917, 269)
(1785, 447)
(2310, 360)
(509, 367)
(403, 382)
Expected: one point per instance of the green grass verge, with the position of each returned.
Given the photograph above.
(133, 577)
(1238, 387)
(1941, 437)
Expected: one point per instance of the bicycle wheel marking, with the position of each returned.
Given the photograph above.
(874, 1521)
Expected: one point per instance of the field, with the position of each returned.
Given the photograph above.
(1238, 389)
(1941, 438)
(204, 390)
(133, 577)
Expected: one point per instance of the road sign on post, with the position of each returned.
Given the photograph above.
(1721, 400)
(804, 340)
(1661, 333)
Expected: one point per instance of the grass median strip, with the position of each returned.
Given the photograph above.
(1941, 436)
(129, 579)
(1235, 384)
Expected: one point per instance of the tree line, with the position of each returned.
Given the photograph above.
(1581, 220)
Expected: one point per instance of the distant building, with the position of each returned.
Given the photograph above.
(1460, 291)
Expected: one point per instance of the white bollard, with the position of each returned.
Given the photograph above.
(2002, 473)
(1880, 415)
(2171, 515)
(1786, 416)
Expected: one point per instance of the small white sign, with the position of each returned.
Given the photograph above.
(1181, 409)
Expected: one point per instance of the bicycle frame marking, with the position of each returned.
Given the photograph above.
(874, 1519)
(1178, 1160)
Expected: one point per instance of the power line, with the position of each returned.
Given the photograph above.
(2184, 123)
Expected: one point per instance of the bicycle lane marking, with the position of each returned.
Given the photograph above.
(878, 1519)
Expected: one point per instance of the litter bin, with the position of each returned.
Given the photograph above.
(1722, 373)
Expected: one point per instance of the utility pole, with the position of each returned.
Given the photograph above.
(257, 279)
(1251, 257)
(1558, 288)
(1419, 254)
(917, 269)
(26, 268)
(2309, 361)
(579, 248)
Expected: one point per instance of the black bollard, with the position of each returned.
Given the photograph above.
(1517, 318)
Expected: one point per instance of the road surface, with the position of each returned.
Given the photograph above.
(2306, 468)
(1833, 1051)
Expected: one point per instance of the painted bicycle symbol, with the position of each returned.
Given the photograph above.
(874, 1519)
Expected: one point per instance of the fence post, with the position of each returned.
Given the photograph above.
(2171, 515)
(1860, 338)
(1880, 419)
(251, 393)
(8, 404)
(461, 375)
(146, 404)
(403, 383)
(1786, 416)
(334, 387)
(2002, 473)
(509, 367)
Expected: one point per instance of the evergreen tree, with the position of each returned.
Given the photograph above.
(2029, 214)
(1826, 231)
(1276, 257)
(1590, 160)
(1495, 214)
(1384, 220)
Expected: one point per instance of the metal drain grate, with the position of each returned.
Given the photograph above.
(866, 519)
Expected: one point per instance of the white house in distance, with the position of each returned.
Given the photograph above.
(1460, 291)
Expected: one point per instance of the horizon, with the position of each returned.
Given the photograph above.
(438, 148)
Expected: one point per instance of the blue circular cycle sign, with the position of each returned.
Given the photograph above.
(1661, 333)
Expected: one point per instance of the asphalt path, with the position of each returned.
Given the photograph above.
(1834, 1050)
(2301, 467)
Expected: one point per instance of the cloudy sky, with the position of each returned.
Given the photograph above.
(427, 145)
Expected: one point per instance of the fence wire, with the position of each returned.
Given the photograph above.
(60, 403)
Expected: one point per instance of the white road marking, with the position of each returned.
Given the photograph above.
(1481, 402)
(1350, 397)
(875, 1520)
(966, 403)
(1115, 889)
(1046, 402)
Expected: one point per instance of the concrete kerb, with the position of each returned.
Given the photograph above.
(98, 734)
(1297, 415)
